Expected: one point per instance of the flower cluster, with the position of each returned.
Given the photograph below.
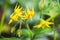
(19, 13)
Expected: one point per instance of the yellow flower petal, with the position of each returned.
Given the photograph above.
(15, 14)
(29, 13)
(10, 21)
(43, 24)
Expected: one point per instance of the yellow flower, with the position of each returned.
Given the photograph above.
(18, 13)
(15, 14)
(43, 24)
(29, 13)
(23, 15)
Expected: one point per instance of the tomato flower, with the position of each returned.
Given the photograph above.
(43, 24)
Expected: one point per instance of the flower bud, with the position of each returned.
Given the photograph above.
(41, 4)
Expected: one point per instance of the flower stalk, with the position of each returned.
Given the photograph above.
(27, 26)
(54, 29)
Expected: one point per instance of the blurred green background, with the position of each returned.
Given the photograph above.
(7, 7)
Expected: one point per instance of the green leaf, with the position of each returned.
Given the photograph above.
(26, 33)
(46, 30)
(10, 39)
(42, 31)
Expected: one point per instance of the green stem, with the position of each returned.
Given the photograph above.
(54, 34)
(41, 11)
(20, 24)
(3, 16)
(41, 14)
(54, 30)
(52, 17)
(27, 26)
(2, 20)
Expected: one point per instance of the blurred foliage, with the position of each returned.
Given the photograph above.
(10, 39)
(26, 33)
(48, 7)
(42, 31)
